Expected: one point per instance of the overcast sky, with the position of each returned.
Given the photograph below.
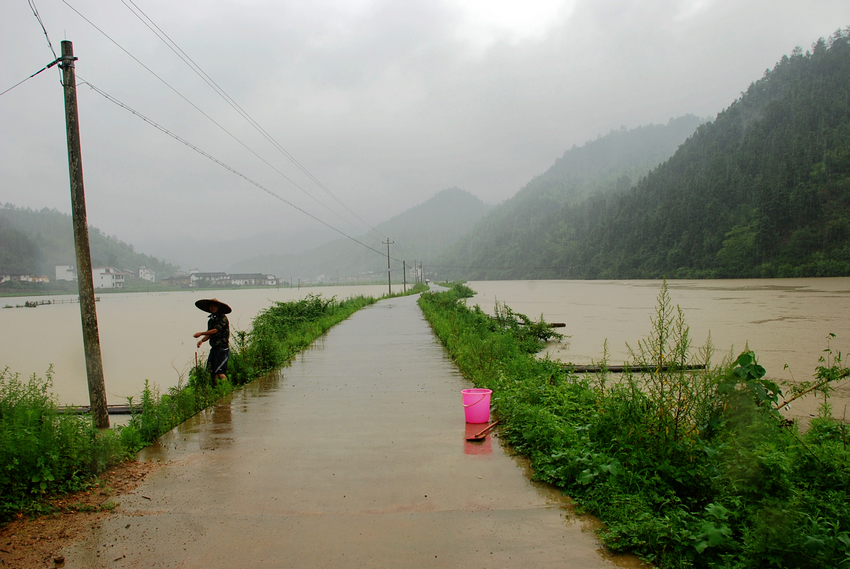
(383, 102)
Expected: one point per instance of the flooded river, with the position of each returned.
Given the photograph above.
(149, 336)
(142, 336)
(786, 322)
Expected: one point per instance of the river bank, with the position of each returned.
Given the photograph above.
(687, 469)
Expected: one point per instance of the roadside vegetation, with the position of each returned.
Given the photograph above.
(45, 452)
(687, 468)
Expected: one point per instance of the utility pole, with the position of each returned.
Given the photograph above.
(85, 280)
(389, 279)
(404, 265)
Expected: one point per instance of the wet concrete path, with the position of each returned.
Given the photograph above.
(354, 456)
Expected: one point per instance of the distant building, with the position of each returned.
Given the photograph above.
(66, 273)
(21, 277)
(253, 279)
(147, 274)
(198, 279)
(107, 277)
(182, 280)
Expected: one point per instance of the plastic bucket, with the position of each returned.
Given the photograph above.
(476, 405)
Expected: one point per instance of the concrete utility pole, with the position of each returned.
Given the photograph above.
(404, 271)
(389, 279)
(85, 280)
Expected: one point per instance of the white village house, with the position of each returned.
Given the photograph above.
(146, 274)
(107, 277)
(102, 277)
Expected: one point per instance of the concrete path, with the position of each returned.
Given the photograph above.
(355, 456)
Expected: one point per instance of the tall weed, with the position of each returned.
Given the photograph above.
(42, 450)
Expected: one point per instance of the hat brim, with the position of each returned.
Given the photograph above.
(205, 303)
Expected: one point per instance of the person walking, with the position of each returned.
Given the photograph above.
(218, 334)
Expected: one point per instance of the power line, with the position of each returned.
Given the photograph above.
(49, 44)
(48, 66)
(227, 98)
(176, 137)
(38, 17)
(193, 105)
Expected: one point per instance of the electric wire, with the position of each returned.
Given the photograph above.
(193, 105)
(176, 137)
(34, 9)
(142, 16)
(46, 67)
(187, 143)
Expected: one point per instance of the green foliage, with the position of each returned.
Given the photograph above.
(762, 191)
(688, 468)
(43, 451)
(38, 240)
(524, 236)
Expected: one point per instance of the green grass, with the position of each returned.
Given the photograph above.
(43, 451)
(686, 469)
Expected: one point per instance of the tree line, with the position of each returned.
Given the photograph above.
(761, 191)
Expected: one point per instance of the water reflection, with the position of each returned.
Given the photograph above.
(476, 447)
(216, 434)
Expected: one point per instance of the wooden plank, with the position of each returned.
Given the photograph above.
(111, 409)
(633, 369)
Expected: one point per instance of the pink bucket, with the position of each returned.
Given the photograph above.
(476, 405)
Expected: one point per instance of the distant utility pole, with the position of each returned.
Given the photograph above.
(389, 280)
(404, 271)
(85, 280)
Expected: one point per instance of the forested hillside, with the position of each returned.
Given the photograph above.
(762, 191)
(500, 244)
(418, 234)
(35, 241)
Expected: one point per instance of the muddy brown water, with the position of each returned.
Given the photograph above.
(148, 336)
(353, 456)
(142, 336)
(786, 322)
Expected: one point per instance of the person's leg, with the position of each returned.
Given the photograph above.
(219, 369)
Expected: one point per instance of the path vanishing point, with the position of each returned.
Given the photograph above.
(352, 457)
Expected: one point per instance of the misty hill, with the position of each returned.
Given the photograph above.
(762, 191)
(35, 241)
(499, 244)
(418, 234)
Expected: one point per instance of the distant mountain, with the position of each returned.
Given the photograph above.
(417, 235)
(35, 241)
(762, 191)
(498, 246)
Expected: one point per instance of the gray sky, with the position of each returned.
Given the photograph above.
(384, 102)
